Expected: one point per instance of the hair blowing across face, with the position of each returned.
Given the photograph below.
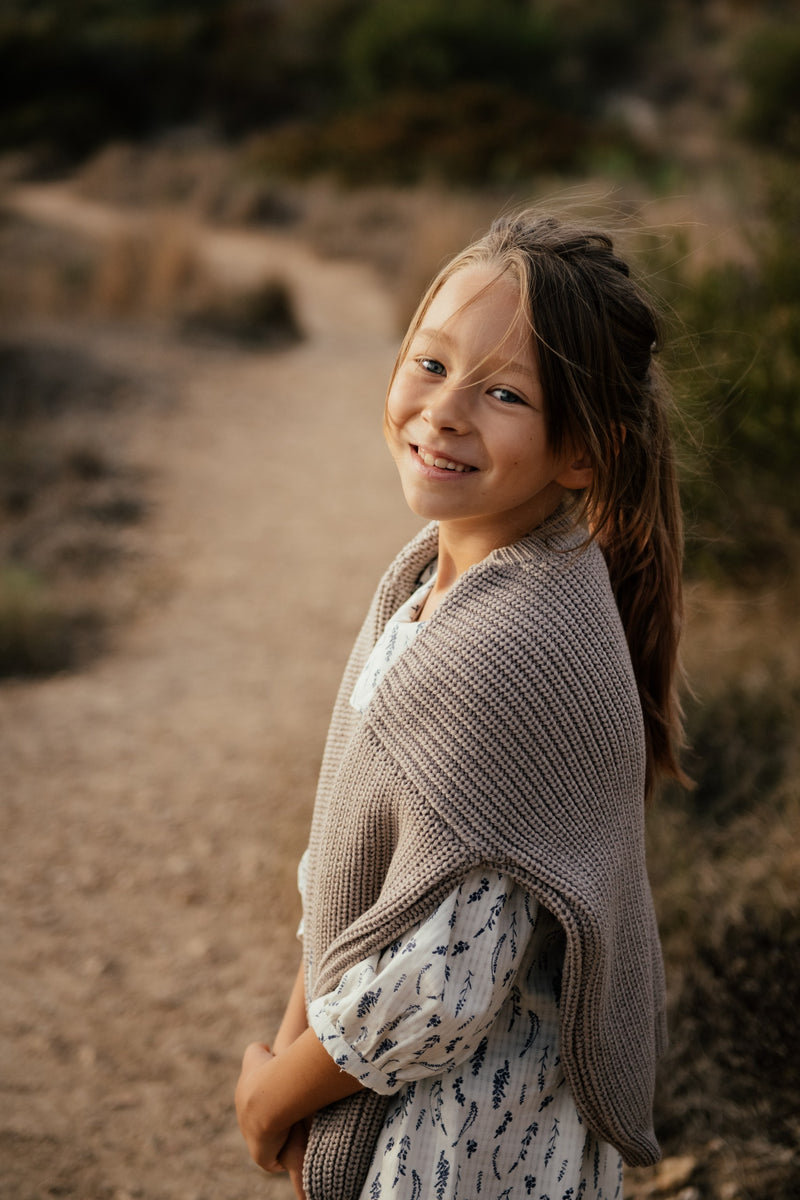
(595, 334)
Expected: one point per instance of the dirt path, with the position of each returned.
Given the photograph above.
(154, 805)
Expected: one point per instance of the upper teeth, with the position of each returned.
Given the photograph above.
(445, 463)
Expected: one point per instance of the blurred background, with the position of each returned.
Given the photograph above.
(215, 221)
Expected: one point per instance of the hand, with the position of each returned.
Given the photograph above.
(275, 1092)
(266, 1145)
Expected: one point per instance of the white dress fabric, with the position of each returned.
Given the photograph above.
(459, 1021)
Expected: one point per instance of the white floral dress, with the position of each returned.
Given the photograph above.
(458, 1022)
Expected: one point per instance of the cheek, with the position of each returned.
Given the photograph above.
(392, 421)
(397, 408)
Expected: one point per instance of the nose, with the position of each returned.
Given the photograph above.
(447, 407)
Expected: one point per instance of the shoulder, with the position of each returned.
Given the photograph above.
(530, 605)
(522, 676)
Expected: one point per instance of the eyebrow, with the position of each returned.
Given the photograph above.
(444, 336)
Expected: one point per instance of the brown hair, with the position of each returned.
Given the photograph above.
(596, 333)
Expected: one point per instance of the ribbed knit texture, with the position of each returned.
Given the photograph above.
(509, 733)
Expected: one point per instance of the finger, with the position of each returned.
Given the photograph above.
(296, 1177)
(254, 1057)
(257, 1051)
(292, 1157)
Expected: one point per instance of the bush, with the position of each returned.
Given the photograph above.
(732, 1074)
(743, 748)
(770, 66)
(263, 318)
(37, 634)
(42, 381)
(724, 863)
(70, 507)
(468, 133)
(739, 370)
(425, 46)
(75, 76)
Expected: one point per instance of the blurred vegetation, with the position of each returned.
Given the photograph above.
(737, 368)
(479, 91)
(38, 634)
(67, 505)
(724, 862)
(75, 75)
(770, 65)
(263, 317)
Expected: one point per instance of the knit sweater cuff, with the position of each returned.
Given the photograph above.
(345, 1057)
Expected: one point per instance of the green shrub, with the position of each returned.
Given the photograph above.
(489, 91)
(263, 318)
(468, 133)
(37, 635)
(68, 505)
(75, 76)
(426, 46)
(738, 371)
(770, 66)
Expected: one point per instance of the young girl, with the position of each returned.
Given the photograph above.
(481, 1005)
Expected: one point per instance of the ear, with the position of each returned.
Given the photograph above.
(577, 474)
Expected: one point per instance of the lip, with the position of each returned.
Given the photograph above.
(434, 472)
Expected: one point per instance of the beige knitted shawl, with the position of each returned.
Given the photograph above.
(510, 734)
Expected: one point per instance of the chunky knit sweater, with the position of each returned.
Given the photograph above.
(509, 733)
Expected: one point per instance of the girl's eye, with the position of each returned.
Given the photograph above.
(506, 396)
(431, 365)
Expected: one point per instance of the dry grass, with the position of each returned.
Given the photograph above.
(74, 507)
(150, 270)
(204, 180)
(724, 863)
(147, 269)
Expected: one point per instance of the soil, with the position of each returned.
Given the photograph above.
(156, 802)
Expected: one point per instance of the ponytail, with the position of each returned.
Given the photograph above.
(641, 536)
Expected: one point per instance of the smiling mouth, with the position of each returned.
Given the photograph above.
(444, 464)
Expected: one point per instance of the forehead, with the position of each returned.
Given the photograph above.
(481, 304)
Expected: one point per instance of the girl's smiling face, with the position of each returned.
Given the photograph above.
(465, 418)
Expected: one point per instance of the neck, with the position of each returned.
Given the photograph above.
(455, 556)
(461, 546)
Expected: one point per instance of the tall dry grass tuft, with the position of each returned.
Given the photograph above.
(150, 269)
(44, 272)
(205, 180)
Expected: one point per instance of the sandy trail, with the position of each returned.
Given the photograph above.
(154, 805)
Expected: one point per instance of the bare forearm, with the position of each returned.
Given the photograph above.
(277, 1091)
(284, 1150)
(294, 1084)
(295, 1018)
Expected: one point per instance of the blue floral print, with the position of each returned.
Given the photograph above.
(458, 1022)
